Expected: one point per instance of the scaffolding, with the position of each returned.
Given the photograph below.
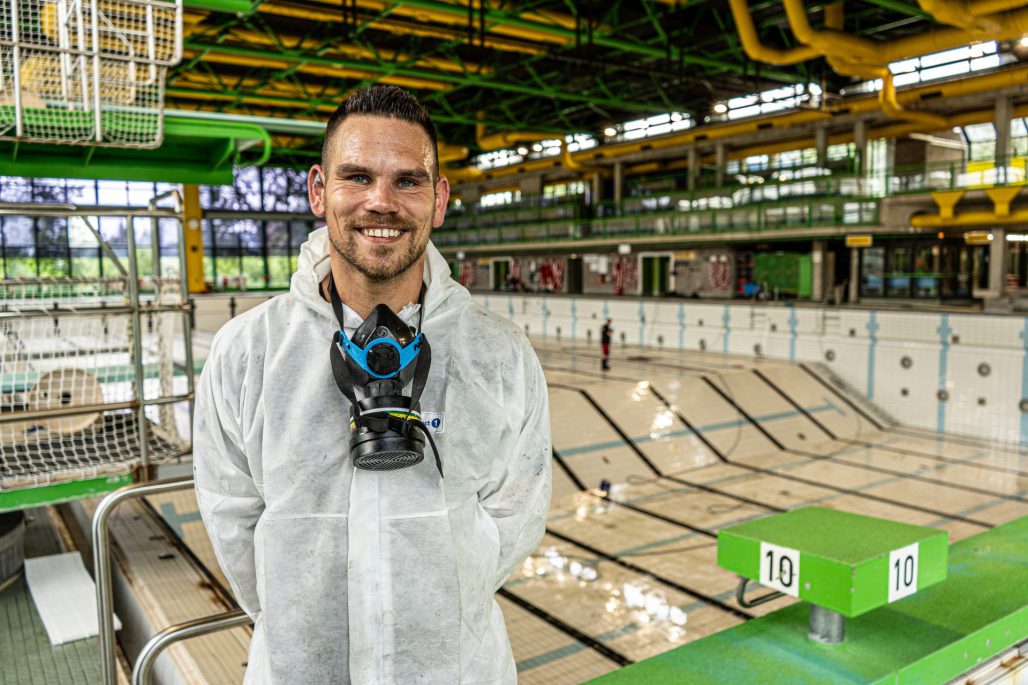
(86, 72)
(96, 382)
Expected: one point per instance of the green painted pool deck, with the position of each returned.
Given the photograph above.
(843, 559)
(931, 637)
(54, 493)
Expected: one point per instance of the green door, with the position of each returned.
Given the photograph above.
(501, 267)
(656, 273)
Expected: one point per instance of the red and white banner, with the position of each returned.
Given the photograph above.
(551, 274)
(626, 275)
(468, 271)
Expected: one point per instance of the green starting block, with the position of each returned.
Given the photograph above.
(843, 564)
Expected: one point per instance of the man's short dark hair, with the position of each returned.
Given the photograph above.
(383, 101)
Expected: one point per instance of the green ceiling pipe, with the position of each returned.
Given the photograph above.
(229, 6)
(296, 57)
(495, 16)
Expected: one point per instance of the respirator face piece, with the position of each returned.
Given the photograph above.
(372, 370)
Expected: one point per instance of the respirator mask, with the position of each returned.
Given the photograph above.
(372, 370)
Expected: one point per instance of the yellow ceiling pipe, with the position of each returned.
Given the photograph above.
(319, 70)
(840, 48)
(1009, 24)
(757, 50)
(450, 153)
(507, 139)
(963, 14)
(422, 14)
(968, 219)
(355, 51)
(401, 28)
(571, 165)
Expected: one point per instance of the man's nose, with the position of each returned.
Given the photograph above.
(380, 198)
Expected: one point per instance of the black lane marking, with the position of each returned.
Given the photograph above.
(834, 488)
(616, 428)
(835, 391)
(795, 405)
(714, 601)
(743, 413)
(597, 646)
(891, 448)
(881, 469)
(656, 471)
(688, 424)
(567, 469)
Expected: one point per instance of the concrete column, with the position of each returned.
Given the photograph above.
(998, 263)
(619, 184)
(532, 185)
(854, 275)
(470, 193)
(821, 143)
(860, 143)
(721, 151)
(694, 166)
(817, 271)
(597, 189)
(1004, 112)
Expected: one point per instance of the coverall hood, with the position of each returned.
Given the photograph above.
(368, 577)
(314, 264)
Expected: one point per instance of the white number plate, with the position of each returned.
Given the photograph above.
(902, 572)
(780, 568)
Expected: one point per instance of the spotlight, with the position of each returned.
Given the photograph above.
(522, 151)
(610, 131)
(1024, 42)
(720, 108)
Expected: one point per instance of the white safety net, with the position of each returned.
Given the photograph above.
(87, 72)
(69, 346)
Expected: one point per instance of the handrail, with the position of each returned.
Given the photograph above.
(142, 672)
(102, 568)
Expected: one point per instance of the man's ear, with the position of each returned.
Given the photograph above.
(442, 199)
(316, 190)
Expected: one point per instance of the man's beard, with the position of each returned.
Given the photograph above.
(378, 270)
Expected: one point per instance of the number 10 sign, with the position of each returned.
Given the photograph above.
(903, 572)
(780, 568)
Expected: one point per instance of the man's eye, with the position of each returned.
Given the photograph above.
(358, 178)
(406, 183)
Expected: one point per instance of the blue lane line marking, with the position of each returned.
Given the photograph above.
(642, 324)
(944, 332)
(510, 307)
(574, 320)
(872, 333)
(740, 475)
(1024, 382)
(175, 520)
(681, 326)
(793, 331)
(726, 321)
(573, 451)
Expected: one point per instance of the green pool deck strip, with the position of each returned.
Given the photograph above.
(844, 558)
(22, 498)
(929, 638)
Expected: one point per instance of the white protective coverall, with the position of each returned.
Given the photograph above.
(368, 577)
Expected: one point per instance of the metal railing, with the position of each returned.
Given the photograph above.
(757, 218)
(142, 672)
(102, 563)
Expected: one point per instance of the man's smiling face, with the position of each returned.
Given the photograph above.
(382, 195)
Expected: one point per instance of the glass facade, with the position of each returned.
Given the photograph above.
(251, 237)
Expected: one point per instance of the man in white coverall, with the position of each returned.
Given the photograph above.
(352, 575)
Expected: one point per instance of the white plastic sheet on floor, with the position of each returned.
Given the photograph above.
(65, 597)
